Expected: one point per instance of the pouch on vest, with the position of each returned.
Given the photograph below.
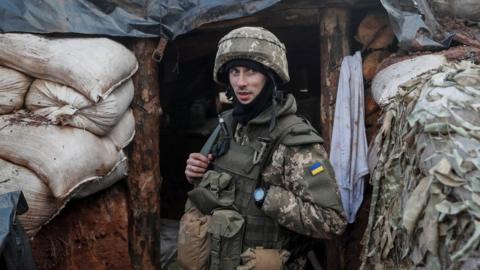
(214, 191)
(194, 240)
(263, 259)
(226, 229)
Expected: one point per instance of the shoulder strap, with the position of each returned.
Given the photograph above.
(284, 126)
(290, 129)
(210, 141)
(207, 147)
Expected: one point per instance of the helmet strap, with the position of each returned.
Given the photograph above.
(278, 96)
(229, 93)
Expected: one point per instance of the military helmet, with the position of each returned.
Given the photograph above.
(252, 43)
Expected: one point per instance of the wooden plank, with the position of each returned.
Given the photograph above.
(277, 17)
(144, 181)
(334, 45)
(289, 13)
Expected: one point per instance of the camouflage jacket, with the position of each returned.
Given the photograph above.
(296, 197)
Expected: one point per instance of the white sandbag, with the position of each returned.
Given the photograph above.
(92, 66)
(62, 157)
(63, 105)
(119, 172)
(386, 82)
(122, 134)
(13, 86)
(41, 203)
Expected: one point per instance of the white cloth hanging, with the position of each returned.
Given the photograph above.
(348, 152)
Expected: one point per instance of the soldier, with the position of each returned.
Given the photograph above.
(284, 186)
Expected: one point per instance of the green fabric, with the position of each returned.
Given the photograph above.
(261, 230)
(226, 223)
(301, 134)
(239, 162)
(207, 147)
(226, 228)
(214, 190)
(323, 188)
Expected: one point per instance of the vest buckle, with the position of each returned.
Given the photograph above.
(259, 155)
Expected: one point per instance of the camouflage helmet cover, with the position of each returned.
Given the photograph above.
(252, 43)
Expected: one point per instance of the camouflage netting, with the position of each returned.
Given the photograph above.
(425, 211)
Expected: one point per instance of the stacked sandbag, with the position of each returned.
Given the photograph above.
(67, 141)
(425, 207)
(13, 87)
(63, 162)
(41, 203)
(386, 82)
(92, 66)
(62, 157)
(65, 106)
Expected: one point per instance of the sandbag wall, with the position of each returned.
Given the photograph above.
(64, 119)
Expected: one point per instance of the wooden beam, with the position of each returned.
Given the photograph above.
(334, 45)
(144, 181)
(268, 18)
(288, 13)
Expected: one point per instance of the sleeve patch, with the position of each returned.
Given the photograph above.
(316, 168)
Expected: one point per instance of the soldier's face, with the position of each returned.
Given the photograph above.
(246, 83)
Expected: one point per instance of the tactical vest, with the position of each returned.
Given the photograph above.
(245, 164)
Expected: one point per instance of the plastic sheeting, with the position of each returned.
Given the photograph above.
(131, 18)
(15, 251)
(168, 240)
(415, 26)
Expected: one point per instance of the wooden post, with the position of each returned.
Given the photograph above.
(144, 181)
(334, 45)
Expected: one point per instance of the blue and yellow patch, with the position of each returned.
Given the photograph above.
(316, 168)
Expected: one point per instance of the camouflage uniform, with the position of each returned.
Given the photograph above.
(299, 200)
(293, 198)
(303, 213)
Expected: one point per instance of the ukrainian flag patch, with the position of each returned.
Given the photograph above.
(316, 168)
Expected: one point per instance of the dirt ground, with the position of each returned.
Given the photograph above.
(90, 233)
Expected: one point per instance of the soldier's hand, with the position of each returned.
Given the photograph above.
(197, 165)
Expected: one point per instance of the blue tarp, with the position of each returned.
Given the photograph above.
(127, 18)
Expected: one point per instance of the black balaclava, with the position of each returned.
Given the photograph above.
(242, 113)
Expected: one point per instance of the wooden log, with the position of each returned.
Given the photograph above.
(144, 181)
(277, 16)
(89, 233)
(371, 62)
(374, 31)
(334, 45)
(371, 107)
